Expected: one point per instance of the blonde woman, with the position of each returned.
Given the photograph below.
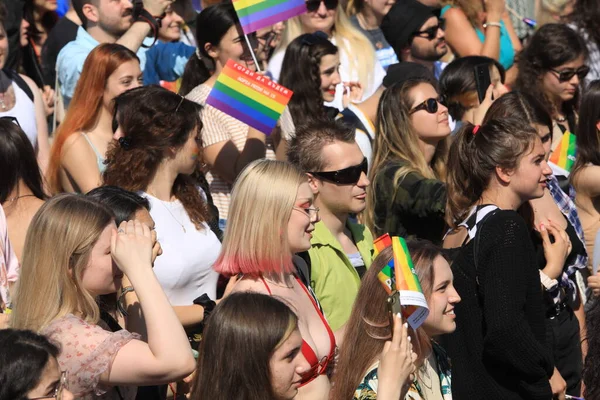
(56, 292)
(271, 218)
(407, 196)
(359, 68)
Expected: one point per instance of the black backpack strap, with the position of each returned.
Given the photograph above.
(14, 76)
(302, 263)
(350, 118)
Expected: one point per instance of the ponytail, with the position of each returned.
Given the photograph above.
(475, 153)
(195, 73)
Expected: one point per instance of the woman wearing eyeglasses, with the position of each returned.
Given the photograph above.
(552, 68)
(29, 369)
(79, 149)
(359, 64)
(272, 217)
(408, 196)
(482, 28)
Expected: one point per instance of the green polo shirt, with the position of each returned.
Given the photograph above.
(333, 278)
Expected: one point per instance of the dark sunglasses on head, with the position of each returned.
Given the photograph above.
(429, 105)
(568, 74)
(311, 39)
(313, 5)
(346, 176)
(14, 120)
(431, 32)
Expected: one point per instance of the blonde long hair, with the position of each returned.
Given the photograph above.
(57, 251)
(352, 42)
(396, 139)
(256, 238)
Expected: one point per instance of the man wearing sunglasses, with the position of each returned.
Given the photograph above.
(416, 33)
(341, 249)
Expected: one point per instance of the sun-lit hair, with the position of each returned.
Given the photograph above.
(369, 325)
(84, 109)
(351, 42)
(396, 139)
(57, 251)
(262, 201)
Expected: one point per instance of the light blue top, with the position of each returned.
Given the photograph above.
(507, 51)
(99, 158)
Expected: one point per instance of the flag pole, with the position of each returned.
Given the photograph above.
(252, 52)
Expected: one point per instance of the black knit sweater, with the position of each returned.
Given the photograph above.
(498, 350)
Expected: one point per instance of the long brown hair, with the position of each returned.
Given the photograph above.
(155, 122)
(474, 156)
(396, 139)
(84, 109)
(237, 346)
(369, 326)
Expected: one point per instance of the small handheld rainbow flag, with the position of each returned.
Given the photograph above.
(249, 97)
(400, 275)
(565, 153)
(257, 14)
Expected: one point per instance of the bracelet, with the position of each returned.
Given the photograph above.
(207, 304)
(496, 24)
(141, 14)
(120, 306)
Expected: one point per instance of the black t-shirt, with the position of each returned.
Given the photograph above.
(63, 32)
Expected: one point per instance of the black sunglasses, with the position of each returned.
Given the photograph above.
(313, 5)
(431, 32)
(567, 74)
(346, 176)
(429, 105)
(14, 120)
(310, 39)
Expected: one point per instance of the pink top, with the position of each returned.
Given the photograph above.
(87, 351)
(9, 265)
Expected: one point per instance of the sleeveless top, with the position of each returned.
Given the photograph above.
(316, 367)
(24, 112)
(507, 51)
(99, 158)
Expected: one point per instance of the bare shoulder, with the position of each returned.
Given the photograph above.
(455, 238)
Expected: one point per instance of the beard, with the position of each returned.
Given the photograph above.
(118, 26)
(431, 53)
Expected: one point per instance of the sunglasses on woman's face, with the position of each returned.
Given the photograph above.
(567, 74)
(429, 105)
(313, 5)
(431, 32)
(346, 176)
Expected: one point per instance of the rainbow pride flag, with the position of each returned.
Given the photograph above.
(249, 97)
(257, 14)
(565, 153)
(400, 275)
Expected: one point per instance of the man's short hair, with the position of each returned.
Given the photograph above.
(306, 146)
(78, 7)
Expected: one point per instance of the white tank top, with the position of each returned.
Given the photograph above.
(24, 112)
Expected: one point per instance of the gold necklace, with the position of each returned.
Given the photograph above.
(169, 211)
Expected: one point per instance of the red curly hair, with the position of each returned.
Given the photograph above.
(155, 122)
(84, 109)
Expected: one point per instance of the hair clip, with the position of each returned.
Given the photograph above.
(476, 129)
(125, 142)
(198, 53)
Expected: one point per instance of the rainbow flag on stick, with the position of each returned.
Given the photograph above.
(249, 97)
(400, 275)
(257, 14)
(565, 153)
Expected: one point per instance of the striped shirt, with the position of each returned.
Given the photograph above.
(219, 127)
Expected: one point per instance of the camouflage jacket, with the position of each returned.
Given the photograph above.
(414, 208)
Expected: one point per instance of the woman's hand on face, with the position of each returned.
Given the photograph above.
(480, 111)
(556, 253)
(131, 247)
(396, 363)
(353, 92)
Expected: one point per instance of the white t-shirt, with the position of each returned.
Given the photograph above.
(184, 269)
(276, 61)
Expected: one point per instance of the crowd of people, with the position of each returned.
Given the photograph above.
(154, 247)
